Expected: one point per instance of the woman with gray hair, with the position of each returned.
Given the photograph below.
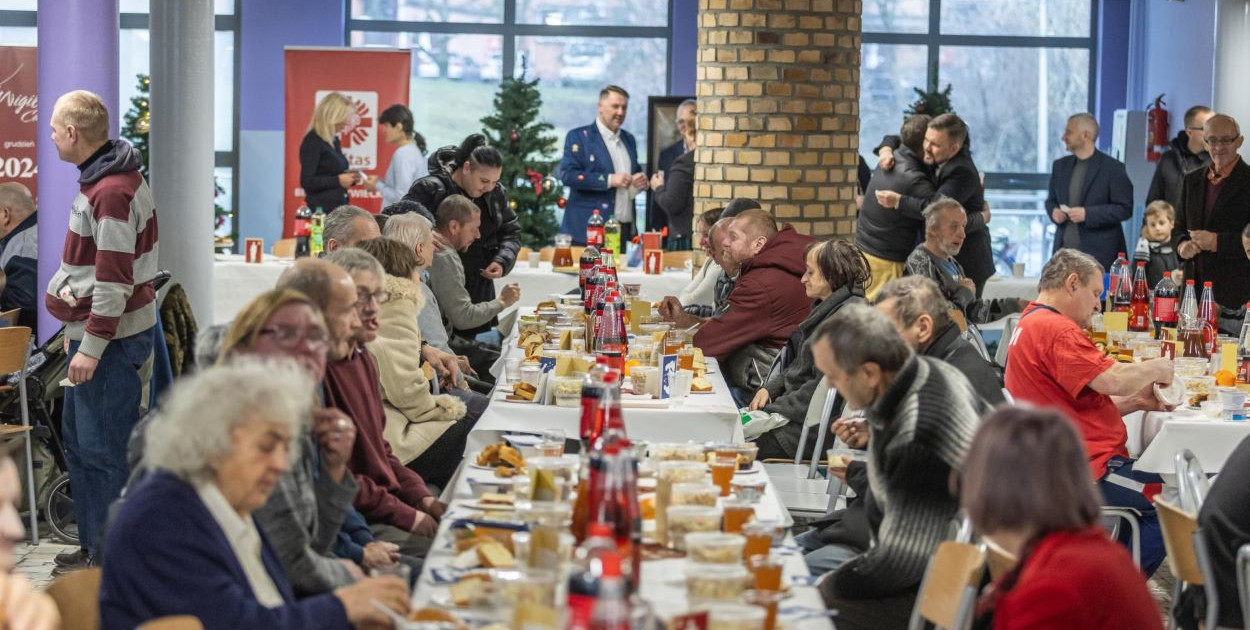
(184, 543)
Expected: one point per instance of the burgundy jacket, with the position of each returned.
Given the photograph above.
(768, 301)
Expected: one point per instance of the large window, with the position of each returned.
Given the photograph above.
(461, 49)
(18, 20)
(1018, 69)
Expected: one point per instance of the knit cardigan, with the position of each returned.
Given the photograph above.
(919, 431)
(414, 416)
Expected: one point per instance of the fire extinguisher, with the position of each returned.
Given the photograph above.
(1156, 130)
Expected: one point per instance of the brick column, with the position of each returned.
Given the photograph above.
(778, 89)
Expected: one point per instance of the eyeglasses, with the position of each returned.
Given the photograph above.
(289, 338)
(362, 298)
(1216, 142)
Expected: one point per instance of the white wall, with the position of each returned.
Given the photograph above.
(1232, 63)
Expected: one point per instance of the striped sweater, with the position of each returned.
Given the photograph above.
(103, 290)
(920, 430)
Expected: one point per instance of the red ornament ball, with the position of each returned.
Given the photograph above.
(515, 136)
(561, 201)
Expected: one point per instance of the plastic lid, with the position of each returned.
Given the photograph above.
(1207, 283)
(599, 529)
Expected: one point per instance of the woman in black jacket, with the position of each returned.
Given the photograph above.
(323, 169)
(473, 170)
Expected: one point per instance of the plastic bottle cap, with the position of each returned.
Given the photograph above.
(1141, 264)
(611, 564)
(1207, 283)
(602, 530)
(611, 377)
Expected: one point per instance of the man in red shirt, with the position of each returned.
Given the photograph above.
(1051, 363)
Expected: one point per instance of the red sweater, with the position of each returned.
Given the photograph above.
(768, 301)
(388, 490)
(1078, 579)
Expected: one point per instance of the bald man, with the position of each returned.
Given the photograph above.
(1090, 194)
(19, 252)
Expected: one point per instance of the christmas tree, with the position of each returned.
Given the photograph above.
(528, 149)
(135, 127)
(933, 103)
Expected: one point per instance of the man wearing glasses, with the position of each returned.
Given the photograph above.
(1214, 209)
(1188, 152)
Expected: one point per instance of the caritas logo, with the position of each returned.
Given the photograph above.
(360, 138)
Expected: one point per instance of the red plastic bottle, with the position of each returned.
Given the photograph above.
(591, 423)
(594, 230)
(586, 266)
(1166, 294)
(1139, 306)
(1211, 313)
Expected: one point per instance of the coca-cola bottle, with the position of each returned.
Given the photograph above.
(590, 291)
(303, 225)
(1166, 294)
(1209, 312)
(1113, 279)
(586, 266)
(587, 574)
(613, 492)
(611, 611)
(610, 330)
(592, 420)
(1189, 331)
(1139, 313)
(1122, 294)
(1243, 350)
(594, 230)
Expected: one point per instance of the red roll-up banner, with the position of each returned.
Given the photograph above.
(373, 80)
(18, 104)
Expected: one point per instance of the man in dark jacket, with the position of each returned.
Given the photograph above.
(1215, 208)
(19, 251)
(1090, 195)
(1188, 153)
(955, 176)
(768, 301)
(494, 253)
(657, 217)
(1225, 521)
(887, 235)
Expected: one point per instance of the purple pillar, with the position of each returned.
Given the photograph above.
(77, 51)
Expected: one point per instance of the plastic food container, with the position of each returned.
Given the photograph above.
(715, 582)
(685, 519)
(715, 547)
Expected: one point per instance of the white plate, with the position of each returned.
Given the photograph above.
(1172, 395)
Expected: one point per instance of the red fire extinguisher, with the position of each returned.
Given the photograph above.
(1156, 130)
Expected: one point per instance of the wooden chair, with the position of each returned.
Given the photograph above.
(1188, 557)
(9, 317)
(998, 560)
(948, 593)
(179, 622)
(284, 248)
(677, 260)
(77, 597)
(14, 353)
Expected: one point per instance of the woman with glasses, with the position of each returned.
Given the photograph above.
(304, 514)
(426, 432)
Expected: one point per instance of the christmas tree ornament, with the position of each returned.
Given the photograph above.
(512, 205)
(549, 184)
(514, 137)
(560, 202)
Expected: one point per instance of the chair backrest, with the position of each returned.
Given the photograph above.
(1192, 483)
(826, 413)
(14, 348)
(1243, 577)
(959, 318)
(179, 622)
(998, 560)
(9, 317)
(77, 597)
(1004, 342)
(1178, 537)
(949, 589)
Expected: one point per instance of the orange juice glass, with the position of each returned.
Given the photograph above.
(759, 535)
(767, 571)
(723, 474)
(767, 600)
(737, 514)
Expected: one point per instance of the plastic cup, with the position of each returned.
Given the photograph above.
(767, 571)
(723, 473)
(766, 600)
(736, 617)
(512, 369)
(737, 513)
(759, 535)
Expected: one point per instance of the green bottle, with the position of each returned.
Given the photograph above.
(316, 241)
(612, 235)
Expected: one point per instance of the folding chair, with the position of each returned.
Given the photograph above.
(1192, 483)
(998, 560)
(1188, 558)
(1243, 577)
(949, 590)
(1127, 515)
(9, 317)
(14, 355)
(77, 597)
(800, 485)
(1004, 343)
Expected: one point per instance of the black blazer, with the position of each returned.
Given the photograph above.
(1226, 268)
(676, 196)
(959, 179)
(1108, 203)
(657, 218)
(320, 164)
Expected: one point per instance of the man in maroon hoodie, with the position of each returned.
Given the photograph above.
(768, 301)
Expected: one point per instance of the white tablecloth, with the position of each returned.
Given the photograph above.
(1010, 287)
(539, 283)
(1156, 438)
(662, 583)
(700, 417)
(235, 282)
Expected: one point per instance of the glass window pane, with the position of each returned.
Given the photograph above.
(572, 70)
(19, 5)
(887, 77)
(1061, 18)
(19, 35)
(223, 178)
(220, 7)
(134, 44)
(1020, 231)
(474, 11)
(450, 92)
(896, 16)
(602, 13)
(1016, 101)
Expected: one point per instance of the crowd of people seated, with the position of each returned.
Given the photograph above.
(312, 445)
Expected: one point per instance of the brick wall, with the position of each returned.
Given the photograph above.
(778, 90)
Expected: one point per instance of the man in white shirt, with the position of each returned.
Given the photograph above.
(600, 166)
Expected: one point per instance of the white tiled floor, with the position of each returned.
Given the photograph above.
(35, 562)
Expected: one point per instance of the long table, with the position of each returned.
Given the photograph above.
(1155, 438)
(541, 282)
(662, 583)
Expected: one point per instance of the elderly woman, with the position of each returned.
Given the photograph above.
(1026, 486)
(426, 432)
(185, 543)
(836, 275)
(20, 605)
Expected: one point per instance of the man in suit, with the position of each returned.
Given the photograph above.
(600, 165)
(886, 236)
(685, 120)
(1188, 152)
(955, 176)
(1215, 208)
(1090, 195)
